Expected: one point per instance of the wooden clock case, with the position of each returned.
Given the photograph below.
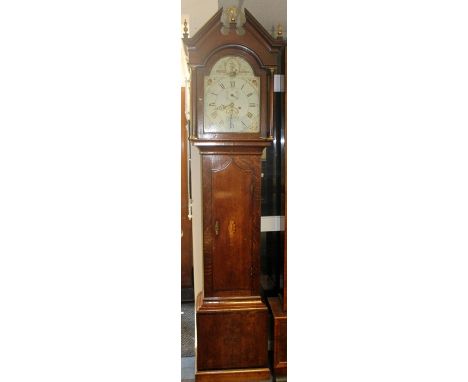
(231, 317)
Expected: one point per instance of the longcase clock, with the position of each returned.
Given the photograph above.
(233, 60)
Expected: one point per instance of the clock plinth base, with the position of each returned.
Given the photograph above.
(240, 375)
(232, 333)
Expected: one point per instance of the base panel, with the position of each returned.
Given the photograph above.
(232, 334)
(240, 375)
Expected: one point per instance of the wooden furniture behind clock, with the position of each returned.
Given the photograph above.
(186, 260)
(232, 60)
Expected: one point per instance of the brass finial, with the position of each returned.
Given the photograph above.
(280, 32)
(232, 15)
(185, 29)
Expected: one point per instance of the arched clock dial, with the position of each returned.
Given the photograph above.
(232, 98)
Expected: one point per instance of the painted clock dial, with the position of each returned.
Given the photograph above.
(231, 97)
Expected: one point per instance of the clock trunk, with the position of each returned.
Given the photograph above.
(231, 203)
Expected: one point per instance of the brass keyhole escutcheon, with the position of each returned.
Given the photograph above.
(216, 227)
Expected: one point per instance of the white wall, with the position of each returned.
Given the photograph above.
(197, 222)
(197, 13)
